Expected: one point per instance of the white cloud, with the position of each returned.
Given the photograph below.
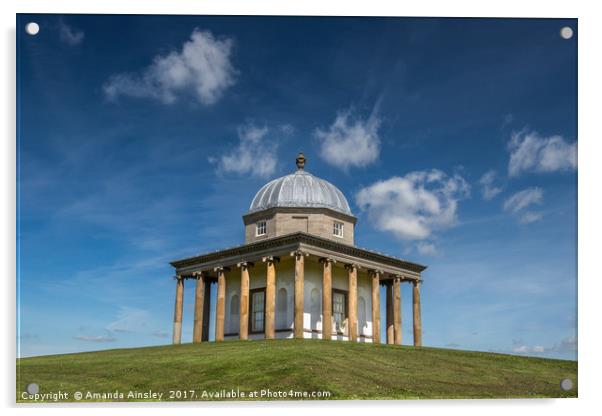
(427, 249)
(530, 216)
(70, 35)
(287, 129)
(521, 349)
(350, 142)
(202, 66)
(529, 152)
(565, 346)
(129, 320)
(255, 153)
(488, 189)
(518, 203)
(525, 349)
(413, 206)
(522, 199)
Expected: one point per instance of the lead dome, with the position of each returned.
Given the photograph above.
(300, 190)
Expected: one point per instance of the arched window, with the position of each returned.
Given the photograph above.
(315, 308)
(361, 315)
(281, 309)
(234, 314)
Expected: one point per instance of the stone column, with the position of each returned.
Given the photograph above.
(220, 307)
(177, 316)
(206, 309)
(390, 329)
(375, 306)
(299, 292)
(417, 313)
(199, 307)
(397, 309)
(352, 301)
(327, 298)
(270, 297)
(243, 332)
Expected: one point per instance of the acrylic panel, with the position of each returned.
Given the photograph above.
(265, 208)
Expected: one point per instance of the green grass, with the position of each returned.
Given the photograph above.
(346, 370)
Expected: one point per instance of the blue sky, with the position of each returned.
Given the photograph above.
(143, 139)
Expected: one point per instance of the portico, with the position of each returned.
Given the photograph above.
(262, 262)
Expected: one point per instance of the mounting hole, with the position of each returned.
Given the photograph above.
(566, 384)
(566, 32)
(32, 28)
(33, 388)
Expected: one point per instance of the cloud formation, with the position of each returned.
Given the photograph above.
(350, 142)
(255, 153)
(488, 188)
(70, 35)
(521, 349)
(529, 152)
(413, 206)
(202, 67)
(129, 320)
(567, 346)
(426, 248)
(518, 204)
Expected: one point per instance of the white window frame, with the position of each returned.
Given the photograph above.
(261, 226)
(335, 229)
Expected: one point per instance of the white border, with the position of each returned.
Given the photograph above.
(590, 153)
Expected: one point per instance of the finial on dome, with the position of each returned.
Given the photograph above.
(300, 161)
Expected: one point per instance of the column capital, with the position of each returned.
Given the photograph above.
(327, 260)
(221, 269)
(299, 253)
(245, 264)
(416, 282)
(270, 259)
(178, 277)
(376, 272)
(385, 283)
(351, 266)
(199, 274)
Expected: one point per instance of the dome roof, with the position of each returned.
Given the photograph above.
(300, 189)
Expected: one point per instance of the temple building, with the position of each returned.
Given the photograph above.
(299, 273)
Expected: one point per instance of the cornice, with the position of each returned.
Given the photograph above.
(293, 242)
(253, 216)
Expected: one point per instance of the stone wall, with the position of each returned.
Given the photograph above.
(319, 223)
(312, 309)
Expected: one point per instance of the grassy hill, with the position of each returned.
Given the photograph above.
(345, 370)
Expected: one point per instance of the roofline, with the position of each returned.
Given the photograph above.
(299, 239)
(251, 215)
